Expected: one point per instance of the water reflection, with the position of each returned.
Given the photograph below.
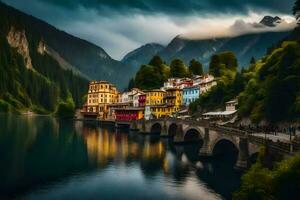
(43, 158)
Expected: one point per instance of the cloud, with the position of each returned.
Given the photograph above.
(120, 26)
(176, 6)
(232, 26)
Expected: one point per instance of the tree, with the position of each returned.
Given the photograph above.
(229, 60)
(66, 109)
(296, 10)
(280, 182)
(178, 69)
(252, 61)
(156, 61)
(158, 65)
(195, 67)
(214, 66)
(222, 63)
(148, 78)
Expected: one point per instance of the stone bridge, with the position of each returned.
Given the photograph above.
(215, 139)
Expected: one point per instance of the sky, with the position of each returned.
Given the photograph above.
(120, 26)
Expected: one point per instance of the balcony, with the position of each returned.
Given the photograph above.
(170, 96)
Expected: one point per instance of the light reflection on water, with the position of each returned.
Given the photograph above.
(43, 158)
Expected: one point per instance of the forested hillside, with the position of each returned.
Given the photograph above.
(269, 89)
(273, 89)
(30, 78)
(80, 55)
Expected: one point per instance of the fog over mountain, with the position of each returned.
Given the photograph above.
(241, 27)
(246, 40)
(119, 26)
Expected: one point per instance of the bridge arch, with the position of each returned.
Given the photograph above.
(172, 129)
(156, 128)
(192, 134)
(225, 145)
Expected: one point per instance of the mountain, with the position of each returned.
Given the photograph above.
(34, 75)
(271, 21)
(142, 55)
(244, 46)
(82, 56)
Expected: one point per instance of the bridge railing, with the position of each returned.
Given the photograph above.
(285, 147)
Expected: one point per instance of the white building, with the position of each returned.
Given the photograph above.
(127, 97)
(229, 113)
(177, 83)
(231, 105)
(206, 83)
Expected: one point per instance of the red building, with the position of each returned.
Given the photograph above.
(129, 114)
(142, 100)
(185, 83)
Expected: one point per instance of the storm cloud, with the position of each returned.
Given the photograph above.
(176, 6)
(119, 26)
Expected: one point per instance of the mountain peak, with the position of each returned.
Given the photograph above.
(152, 48)
(271, 21)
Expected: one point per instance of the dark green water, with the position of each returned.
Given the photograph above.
(44, 158)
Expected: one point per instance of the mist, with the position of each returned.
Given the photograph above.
(121, 29)
(236, 26)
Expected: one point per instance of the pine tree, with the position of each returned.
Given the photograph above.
(156, 61)
(296, 10)
(195, 67)
(178, 69)
(214, 66)
(252, 61)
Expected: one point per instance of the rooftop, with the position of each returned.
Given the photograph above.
(154, 90)
(223, 113)
(191, 87)
(232, 101)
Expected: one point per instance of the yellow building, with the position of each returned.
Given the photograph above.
(163, 103)
(100, 95)
(159, 111)
(154, 97)
(173, 98)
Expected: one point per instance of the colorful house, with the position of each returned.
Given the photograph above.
(173, 98)
(142, 100)
(137, 99)
(113, 107)
(177, 83)
(129, 114)
(161, 111)
(154, 97)
(190, 94)
(100, 95)
(128, 97)
(207, 83)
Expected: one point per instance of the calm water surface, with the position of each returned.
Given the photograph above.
(44, 158)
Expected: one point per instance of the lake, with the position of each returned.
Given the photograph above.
(46, 158)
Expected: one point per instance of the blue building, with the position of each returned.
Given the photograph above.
(190, 94)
